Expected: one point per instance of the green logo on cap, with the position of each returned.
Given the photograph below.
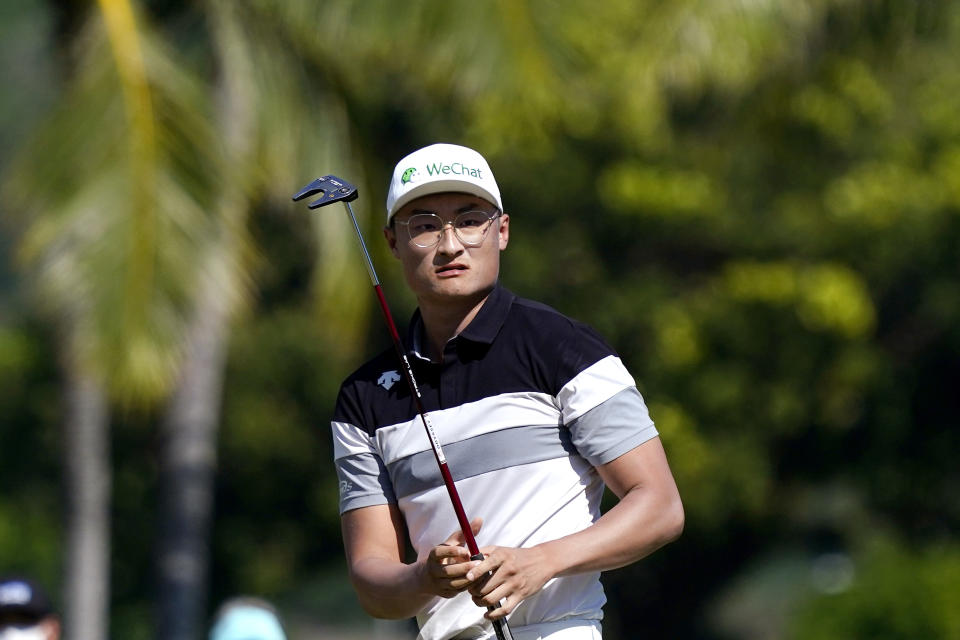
(455, 168)
(407, 175)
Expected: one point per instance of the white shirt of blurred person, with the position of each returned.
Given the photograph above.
(246, 618)
(26, 612)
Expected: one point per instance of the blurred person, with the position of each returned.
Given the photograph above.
(535, 412)
(246, 618)
(26, 612)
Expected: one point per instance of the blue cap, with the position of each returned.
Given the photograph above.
(247, 622)
(24, 597)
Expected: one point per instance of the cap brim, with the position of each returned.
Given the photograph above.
(442, 186)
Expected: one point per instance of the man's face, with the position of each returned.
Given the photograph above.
(450, 270)
(13, 628)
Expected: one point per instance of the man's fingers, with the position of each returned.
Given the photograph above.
(449, 563)
(501, 603)
(450, 570)
(460, 584)
(450, 554)
(491, 560)
(457, 537)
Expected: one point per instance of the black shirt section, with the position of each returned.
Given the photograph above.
(512, 345)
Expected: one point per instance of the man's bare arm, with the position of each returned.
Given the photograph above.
(388, 587)
(648, 515)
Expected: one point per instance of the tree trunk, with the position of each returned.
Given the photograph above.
(190, 427)
(188, 464)
(87, 476)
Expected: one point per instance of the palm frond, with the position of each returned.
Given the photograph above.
(114, 196)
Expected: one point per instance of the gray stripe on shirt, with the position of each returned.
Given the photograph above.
(481, 454)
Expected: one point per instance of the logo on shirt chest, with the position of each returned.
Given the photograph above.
(388, 378)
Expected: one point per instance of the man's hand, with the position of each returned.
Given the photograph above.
(445, 567)
(508, 575)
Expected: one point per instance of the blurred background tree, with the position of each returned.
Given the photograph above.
(756, 203)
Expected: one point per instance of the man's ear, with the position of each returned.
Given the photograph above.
(503, 230)
(391, 235)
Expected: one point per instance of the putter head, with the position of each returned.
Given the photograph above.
(331, 189)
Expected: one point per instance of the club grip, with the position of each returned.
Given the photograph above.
(500, 627)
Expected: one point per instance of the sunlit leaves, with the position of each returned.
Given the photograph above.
(720, 477)
(833, 297)
(676, 334)
(658, 191)
(826, 112)
(853, 94)
(881, 194)
(895, 592)
(825, 296)
(946, 168)
(771, 283)
(113, 226)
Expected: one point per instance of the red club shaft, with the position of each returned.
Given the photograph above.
(431, 434)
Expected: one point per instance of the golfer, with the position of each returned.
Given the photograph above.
(535, 413)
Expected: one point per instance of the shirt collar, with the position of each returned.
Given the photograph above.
(483, 328)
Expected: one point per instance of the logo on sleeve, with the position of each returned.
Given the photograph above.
(388, 378)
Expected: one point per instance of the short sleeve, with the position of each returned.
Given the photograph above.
(361, 473)
(610, 429)
(598, 399)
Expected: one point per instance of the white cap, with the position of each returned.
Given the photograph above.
(441, 168)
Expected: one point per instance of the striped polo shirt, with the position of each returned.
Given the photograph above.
(525, 403)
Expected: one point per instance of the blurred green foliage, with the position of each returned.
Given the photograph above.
(757, 204)
(30, 531)
(896, 593)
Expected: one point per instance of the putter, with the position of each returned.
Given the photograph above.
(332, 189)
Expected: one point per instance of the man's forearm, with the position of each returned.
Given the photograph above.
(388, 589)
(639, 524)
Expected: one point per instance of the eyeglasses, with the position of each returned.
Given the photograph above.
(426, 229)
